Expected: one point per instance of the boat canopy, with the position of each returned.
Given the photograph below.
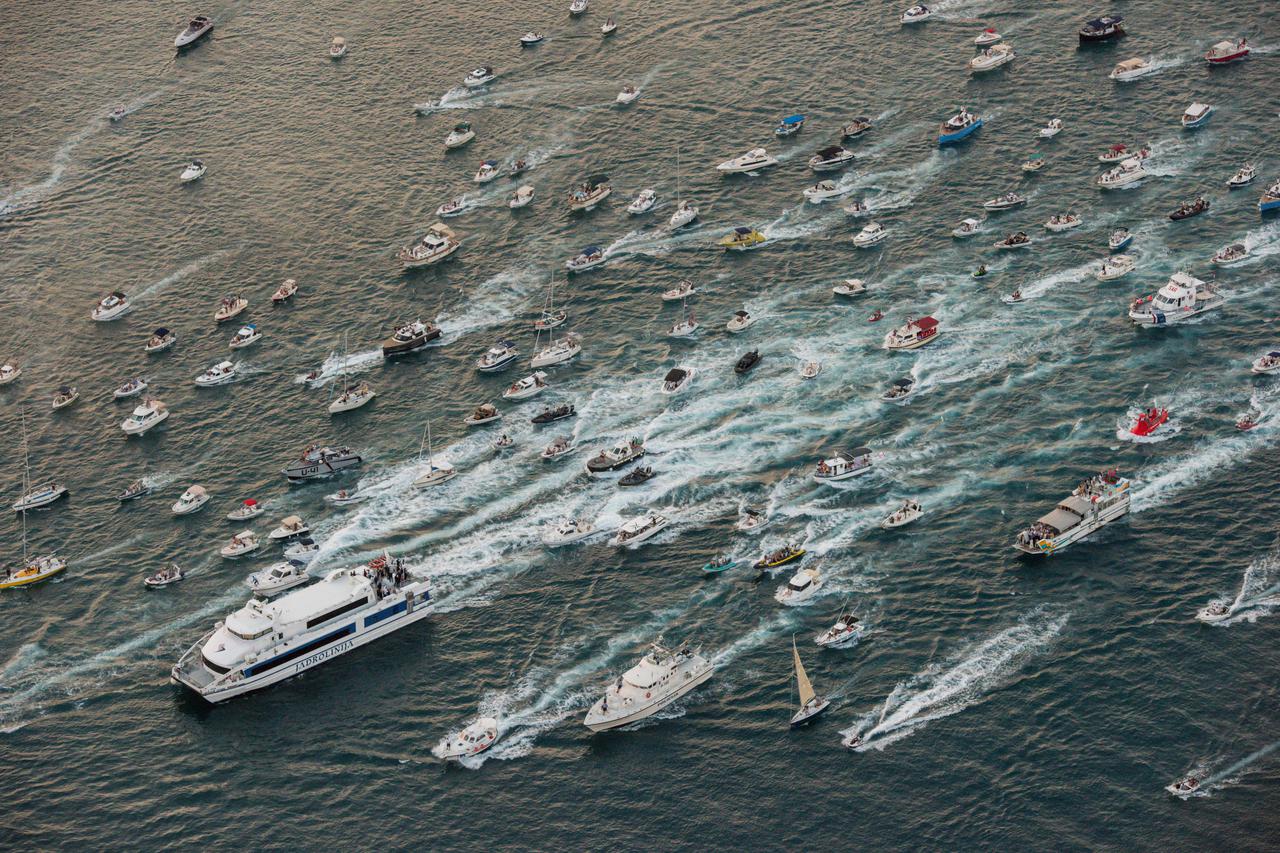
(160, 332)
(196, 491)
(292, 521)
(743, 230)
(676, 374)
(1060, 520)
(462, 127)
(117, 294)
(905, 382)
(250, 502)
(339, 41)
(1104, 22)
(830, 152)
(1131, 64)
(795, 119)
(591, 250)
(596, 180)
(856, 452)
(926, 323)
(490, 163)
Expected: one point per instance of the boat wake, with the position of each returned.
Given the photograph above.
(178, 275)
(1210, 460)
(1213, 780)
(23, 198)
(946, 689)
(1259, 592)
(494, 301)
(338, 365)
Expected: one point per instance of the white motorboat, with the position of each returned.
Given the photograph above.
(302, 551)
(966, 228)
(637, 530)
(1182, 297)
(531, 38)
(487, 172)
(520, 197)
(567, 532)
(589, 193)
(220, 374)
(831, 158)
(1016, 240)
(739, 322)
(198, 26)
(40, 495)
(1216, 611)
(1120, 152)
(616, 457)
(249, 508)
(1267, 363)
(1063, 222)
(1034, 163)
(1129, 171)
(850, 287)
(1232, 254)
(168, 575)
(684, 213)
(643, 202)
(229, 307)
(115, 304)
(191, 500)
(661, 677)
(843, 465)
(500, 356)
(461, 134)
(910, 511)
(276, 578)
(801, 588)
(578, 7)
(343, 497)
(900, 390)
(247, 336)
(912, 334)
(871, 234)
(483, 414)
(9, 372)
(753, 160)
(825, 191)
(683, 290)
(479, 77)
(66, 395)
(1244, 176)
(992, 58)
(268, 641)
(161, 339)
(591, 256)
(290, 528)
(337, 47)
(130, 388)
(684, 328)
(609, 27)
(751, 521)
(1052, 129)
(472, 740)
(986, 37)
(855, 128)
(146, 415)
(453, 207)
(352, 397)
(1008, 201)
(627, 95)
(244, 542)
(437, 244)
(285, 291)
(1131, 69)
(557, 352)
(195, 171)
(916, 14)
(1196, 115)
(1116, 266)
(529, 386)
(1119, 239)
(810, 369)
(562, 445)
(1096, 502)
(811, 704)
(677, 379)
(847, 629)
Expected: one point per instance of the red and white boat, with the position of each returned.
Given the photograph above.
(1146, 423)
(915, 333)
(1227, 51)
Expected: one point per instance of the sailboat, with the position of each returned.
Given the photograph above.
(550, 316)
(435, 474)
(685, 212)
(353, 396)
(43, 567)
(553, 353)
(811, 704)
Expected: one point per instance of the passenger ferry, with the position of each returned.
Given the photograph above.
(1096, 502)
(265, 642)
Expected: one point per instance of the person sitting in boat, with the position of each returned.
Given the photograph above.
(982, 270)
(876, 315)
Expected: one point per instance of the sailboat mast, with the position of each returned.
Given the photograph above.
(26, 483)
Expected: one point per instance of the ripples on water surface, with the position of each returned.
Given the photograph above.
(1002, 703)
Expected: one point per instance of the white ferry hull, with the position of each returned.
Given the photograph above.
(598, 725)
(1080, 531)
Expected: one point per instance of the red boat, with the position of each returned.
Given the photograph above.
(1227, 51)
(878, 315)
(1246, 424)
(1149, 421)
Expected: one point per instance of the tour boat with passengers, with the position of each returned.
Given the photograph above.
(1096, 502)
(958, 127)
(843, 465)
(912, 334)
(437, 244)
(1182, 297)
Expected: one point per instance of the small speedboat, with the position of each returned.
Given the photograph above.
(229, 307)
(1116, 266)
(1188, 209)
(1063, 222)
(916, 14)
(739, 322)
(992, 58)
(550, 415)
(591, 256)
(831, 158)
(484, 413)
(1033, 163)
(1227, 51)
(130, 388)
(133, 491)
(145, 416)
(850, 287)
(342, 497)
(160, 340)
(479, 77)
(910, 511)
(1215, 611)
(168, 575)
(627, 95)
(684, 214)
(900, 390)
(802, 587)
(531, 38)
(67, 394)
(751, 521)
(568, 531)
(1131, 69)
(118, 113)
(855, 128)
(198, 27)
(847, 629)
(871, 233)
(776, 559)
(747, 362)
(856, 209)
(195, 171)
(472, 740)
(643, 202)
(453, 207)
(742, 239)
(460, 135)
(1017, 240)
(1013, 298)
(352, 397)
(789, 126)
(487, 172)
(810, 369)
(40, 495)
(1249, 421)
(9, 372)
(220, 374)
(290, 528)
(277, 577)
(1244, 175)
(609, 27)
(500, 356)
(683, 290)
(1120, 239)
(302, 551)
(337, 47)
(1184, 787)
(1120, 152)
(636, 476)
(115, 304)
(562, 446)
(191, 500)
(1052, 129)
(247, 336)
(1267, 363)
(503, 441)
(1196, 115)
(1008, 201)
(529, 386)
(244, 542)
(637, 530)
(753, 160)
(966, 228)
(876, 316)
(577, 7)
(677, 379)
(520, 197)
(1102, 29)
(249, 508)
(986, 37)
(285, 291)
(1232, 254)
(825, 191)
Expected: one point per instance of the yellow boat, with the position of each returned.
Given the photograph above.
(39, 569)
(742, 239)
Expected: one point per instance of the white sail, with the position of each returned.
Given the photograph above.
(802, 680)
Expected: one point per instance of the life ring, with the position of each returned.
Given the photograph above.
(1044, 545)
(646, 695)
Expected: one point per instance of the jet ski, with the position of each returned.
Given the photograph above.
(980, 271)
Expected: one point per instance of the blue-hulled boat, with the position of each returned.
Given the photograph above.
(789, 125)
(958, 127)
(1270, 198)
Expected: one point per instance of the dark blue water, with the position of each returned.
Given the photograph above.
(1012, 704)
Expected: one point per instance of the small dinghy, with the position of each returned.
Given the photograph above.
(249, 508)
(161, 339)
(876, 316)
(551, 415)
(195, 171)
(133, 491)
(285, 291)
(1267, 363)
(903, 515)
(229, 307)
(1120, 239)
(627, 95)
(342, 497)
(168, 575)
(643, 202)
(1063, 222)
(747, 362)
(986, 37)
(850, 287)
(130, 388)
(461, 134)
(484, 413)
(453, 207)
(1034, 163)
(719, 565)
(247, 336)
(1017, 240)
(530, 386)
(337, 47)
(67, 394)
(118, 113)
(847, 629)
(503, 441)
(290, 528)
(520, 197)
(475, 738)
(220, 374)
(810, 369)
(811, 704)
(277, 577)
(352, 397)
(244, 542)
(531, 38)
(739, 322)
(856, 209)
(1148, 422)
(1013, 298)
(966, 228)
(1249, 421)
(637, 475)
(1052, 129)
(1186, 210)
(192, 500)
